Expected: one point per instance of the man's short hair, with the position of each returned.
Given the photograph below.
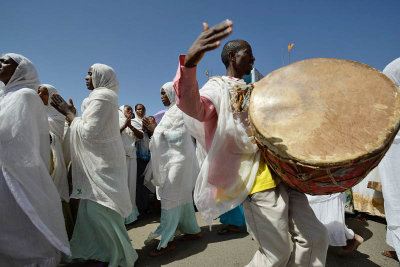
(231, 46)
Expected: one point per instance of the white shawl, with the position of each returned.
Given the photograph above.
(99, 171)
(144, 142)
(25, 153)
(389, 169)
(56, 124)
(229, 170)
(174, 162)
(127, 135)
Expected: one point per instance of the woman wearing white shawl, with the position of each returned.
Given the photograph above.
(389, 169)
(32, 226)
(99, 172)
(129, 138)
(175, 169)
(56, 125)
(143, 158)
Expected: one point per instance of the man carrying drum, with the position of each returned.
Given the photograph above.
(234, 172)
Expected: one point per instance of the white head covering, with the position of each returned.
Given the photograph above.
(392, 70)
(25, 74)
(25, 153)
(127, 135)
(173, 156)
(142, 144)
(99, 171)
(104, 76)
(56, 119)
(170, 91)
(56, 125)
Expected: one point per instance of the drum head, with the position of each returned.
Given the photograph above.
(325, 111)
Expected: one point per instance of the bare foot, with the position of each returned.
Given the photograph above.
(162, 251)
(352, 245)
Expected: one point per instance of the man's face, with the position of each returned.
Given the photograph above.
(7, 68)
(244, 60)
(140, 110)
(88, 78)
(44, 94)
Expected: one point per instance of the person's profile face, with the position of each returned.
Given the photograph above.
(128, 112)
(88, 78)
(44, 94)
(164, 98)
(7, 68)
(244, 60)
(140, 110)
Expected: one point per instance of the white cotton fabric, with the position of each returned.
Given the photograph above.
(329, 210)
(145, 141)
(56, 125)
(389, 169)
(25, 155)
(99, 171)
(174, 162)
(229, 170)
(129, 139)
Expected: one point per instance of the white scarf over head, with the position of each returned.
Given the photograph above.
(56, 124)
(143, 144)
(229, 170)
(389, 169)
(25, 153)
(99, 171)
(173, 157)
(127, 135)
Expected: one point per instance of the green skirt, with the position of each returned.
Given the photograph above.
(100, 234)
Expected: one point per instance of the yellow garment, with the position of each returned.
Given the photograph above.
(264, 178)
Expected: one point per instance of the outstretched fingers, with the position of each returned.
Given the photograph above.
(225, 26)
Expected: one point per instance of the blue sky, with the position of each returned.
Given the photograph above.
(141, 40)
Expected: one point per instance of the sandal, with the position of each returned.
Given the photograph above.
(162, 251)
(188, 237)
(390, 254)
(229, 230)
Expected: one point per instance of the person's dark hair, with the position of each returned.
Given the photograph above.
(139, 105)
(152, 117)
(231, 46)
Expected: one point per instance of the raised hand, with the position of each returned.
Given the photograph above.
(208, 40)
(63, 107)
(149, 124)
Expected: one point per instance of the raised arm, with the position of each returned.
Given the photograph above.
(185, 82)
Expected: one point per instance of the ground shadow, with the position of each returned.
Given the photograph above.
(184, 249)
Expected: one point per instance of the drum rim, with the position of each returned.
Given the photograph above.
(312, 163)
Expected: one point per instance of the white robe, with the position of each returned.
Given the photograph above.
(99, 171)
(229, 170)
(174, 162)
(389, 169)
(24, 162)
(56, 124)
(329, 210)
(129, 139)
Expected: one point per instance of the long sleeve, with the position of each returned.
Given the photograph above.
(190, 101)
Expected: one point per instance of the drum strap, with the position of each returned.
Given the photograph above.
(240, 98)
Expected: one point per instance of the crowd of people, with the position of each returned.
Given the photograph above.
(70, 184)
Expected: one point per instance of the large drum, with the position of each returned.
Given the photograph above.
(324, 124)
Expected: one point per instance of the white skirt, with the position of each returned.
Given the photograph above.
(329, 209)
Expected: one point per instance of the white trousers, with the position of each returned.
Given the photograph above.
(271, 215)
